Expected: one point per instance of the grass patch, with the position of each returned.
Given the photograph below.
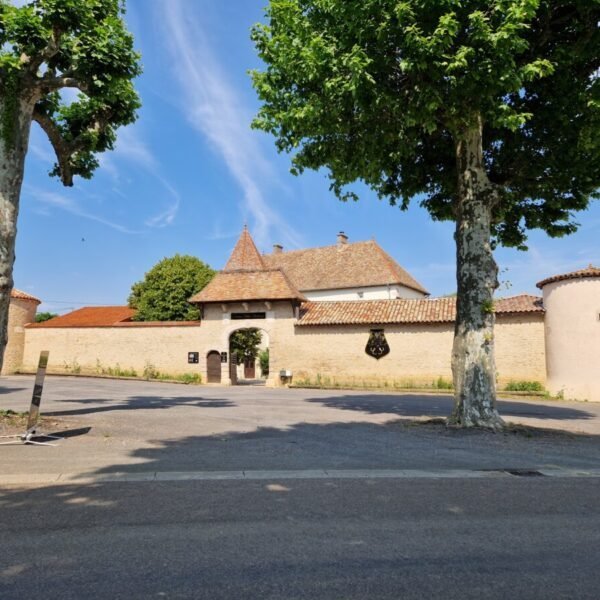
(524, 386)
(10, 418)
(189, 378)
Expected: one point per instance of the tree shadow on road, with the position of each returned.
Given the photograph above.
(10, 390)
(137, 403)
(409, 405)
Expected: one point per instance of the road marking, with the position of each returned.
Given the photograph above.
(40, 479)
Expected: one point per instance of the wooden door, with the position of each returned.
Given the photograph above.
(250, 369)
(213, 367)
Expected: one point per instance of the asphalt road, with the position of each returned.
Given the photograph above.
(447, 520)
(510, 538)
(122, 426)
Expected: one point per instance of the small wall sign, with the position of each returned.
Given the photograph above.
(223, 357)
(193, 358)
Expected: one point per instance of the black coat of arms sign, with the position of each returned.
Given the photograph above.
(377, 346)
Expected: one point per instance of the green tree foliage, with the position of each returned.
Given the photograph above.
(47, 46)
(487, 111)
(44, 316)
(164, 292)
(50, 45)
(245, 344)
(263, 358)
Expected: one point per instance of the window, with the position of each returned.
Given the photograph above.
(248, 315)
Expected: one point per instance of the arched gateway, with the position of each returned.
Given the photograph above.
(249, 355)
(245, 295)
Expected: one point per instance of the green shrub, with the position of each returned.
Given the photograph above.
(524, 386)
(442, 384)
(184, 378)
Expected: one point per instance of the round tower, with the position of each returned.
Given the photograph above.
(572, 329)
(21, 311)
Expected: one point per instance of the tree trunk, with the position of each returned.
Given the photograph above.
(14, 139)
(473, 363)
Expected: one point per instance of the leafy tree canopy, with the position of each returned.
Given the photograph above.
(44, 316)
(49, 45)
(164, 292)
(381, 90)
(245, 344)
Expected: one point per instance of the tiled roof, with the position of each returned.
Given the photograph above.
(519, 304)
(242, 286)
(23, 296)
(591, 271)
(359, 264)
(105, 316)
(436, 310)
(91, 316)
(245, 255)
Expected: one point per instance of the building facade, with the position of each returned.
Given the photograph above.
(345, 314)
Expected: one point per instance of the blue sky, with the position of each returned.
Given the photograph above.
(188, 175)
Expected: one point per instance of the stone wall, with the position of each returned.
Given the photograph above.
(92, 349)
(20, 313)
(419, 354)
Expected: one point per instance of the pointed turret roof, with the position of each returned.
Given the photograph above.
(246, 277)
(245, 255)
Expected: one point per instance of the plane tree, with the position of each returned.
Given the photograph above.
(47, 46)
(487, 112)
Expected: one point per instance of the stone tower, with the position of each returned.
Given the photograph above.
(22, 311)
(572, 329)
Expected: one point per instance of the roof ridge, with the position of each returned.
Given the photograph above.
(336, 245)
(394, 265)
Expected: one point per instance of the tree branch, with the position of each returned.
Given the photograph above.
(49, 52)
(52, 83)
(62, 149)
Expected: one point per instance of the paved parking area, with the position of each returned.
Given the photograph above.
(172, 491)
(147, 428)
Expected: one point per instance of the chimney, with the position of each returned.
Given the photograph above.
(342, 238)
(277, 248)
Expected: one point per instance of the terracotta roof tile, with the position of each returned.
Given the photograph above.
(242, 286)
(245, 255)
(436, 310)
(15, 293)
(105, 316)
(90, 316)
(358, 264)
(590, 271)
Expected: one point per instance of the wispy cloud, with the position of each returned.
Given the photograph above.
(55, 200)
(132, 148)
(211, 105)
(167, 216)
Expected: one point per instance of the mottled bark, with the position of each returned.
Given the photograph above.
(473, 363)
(13, 150)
